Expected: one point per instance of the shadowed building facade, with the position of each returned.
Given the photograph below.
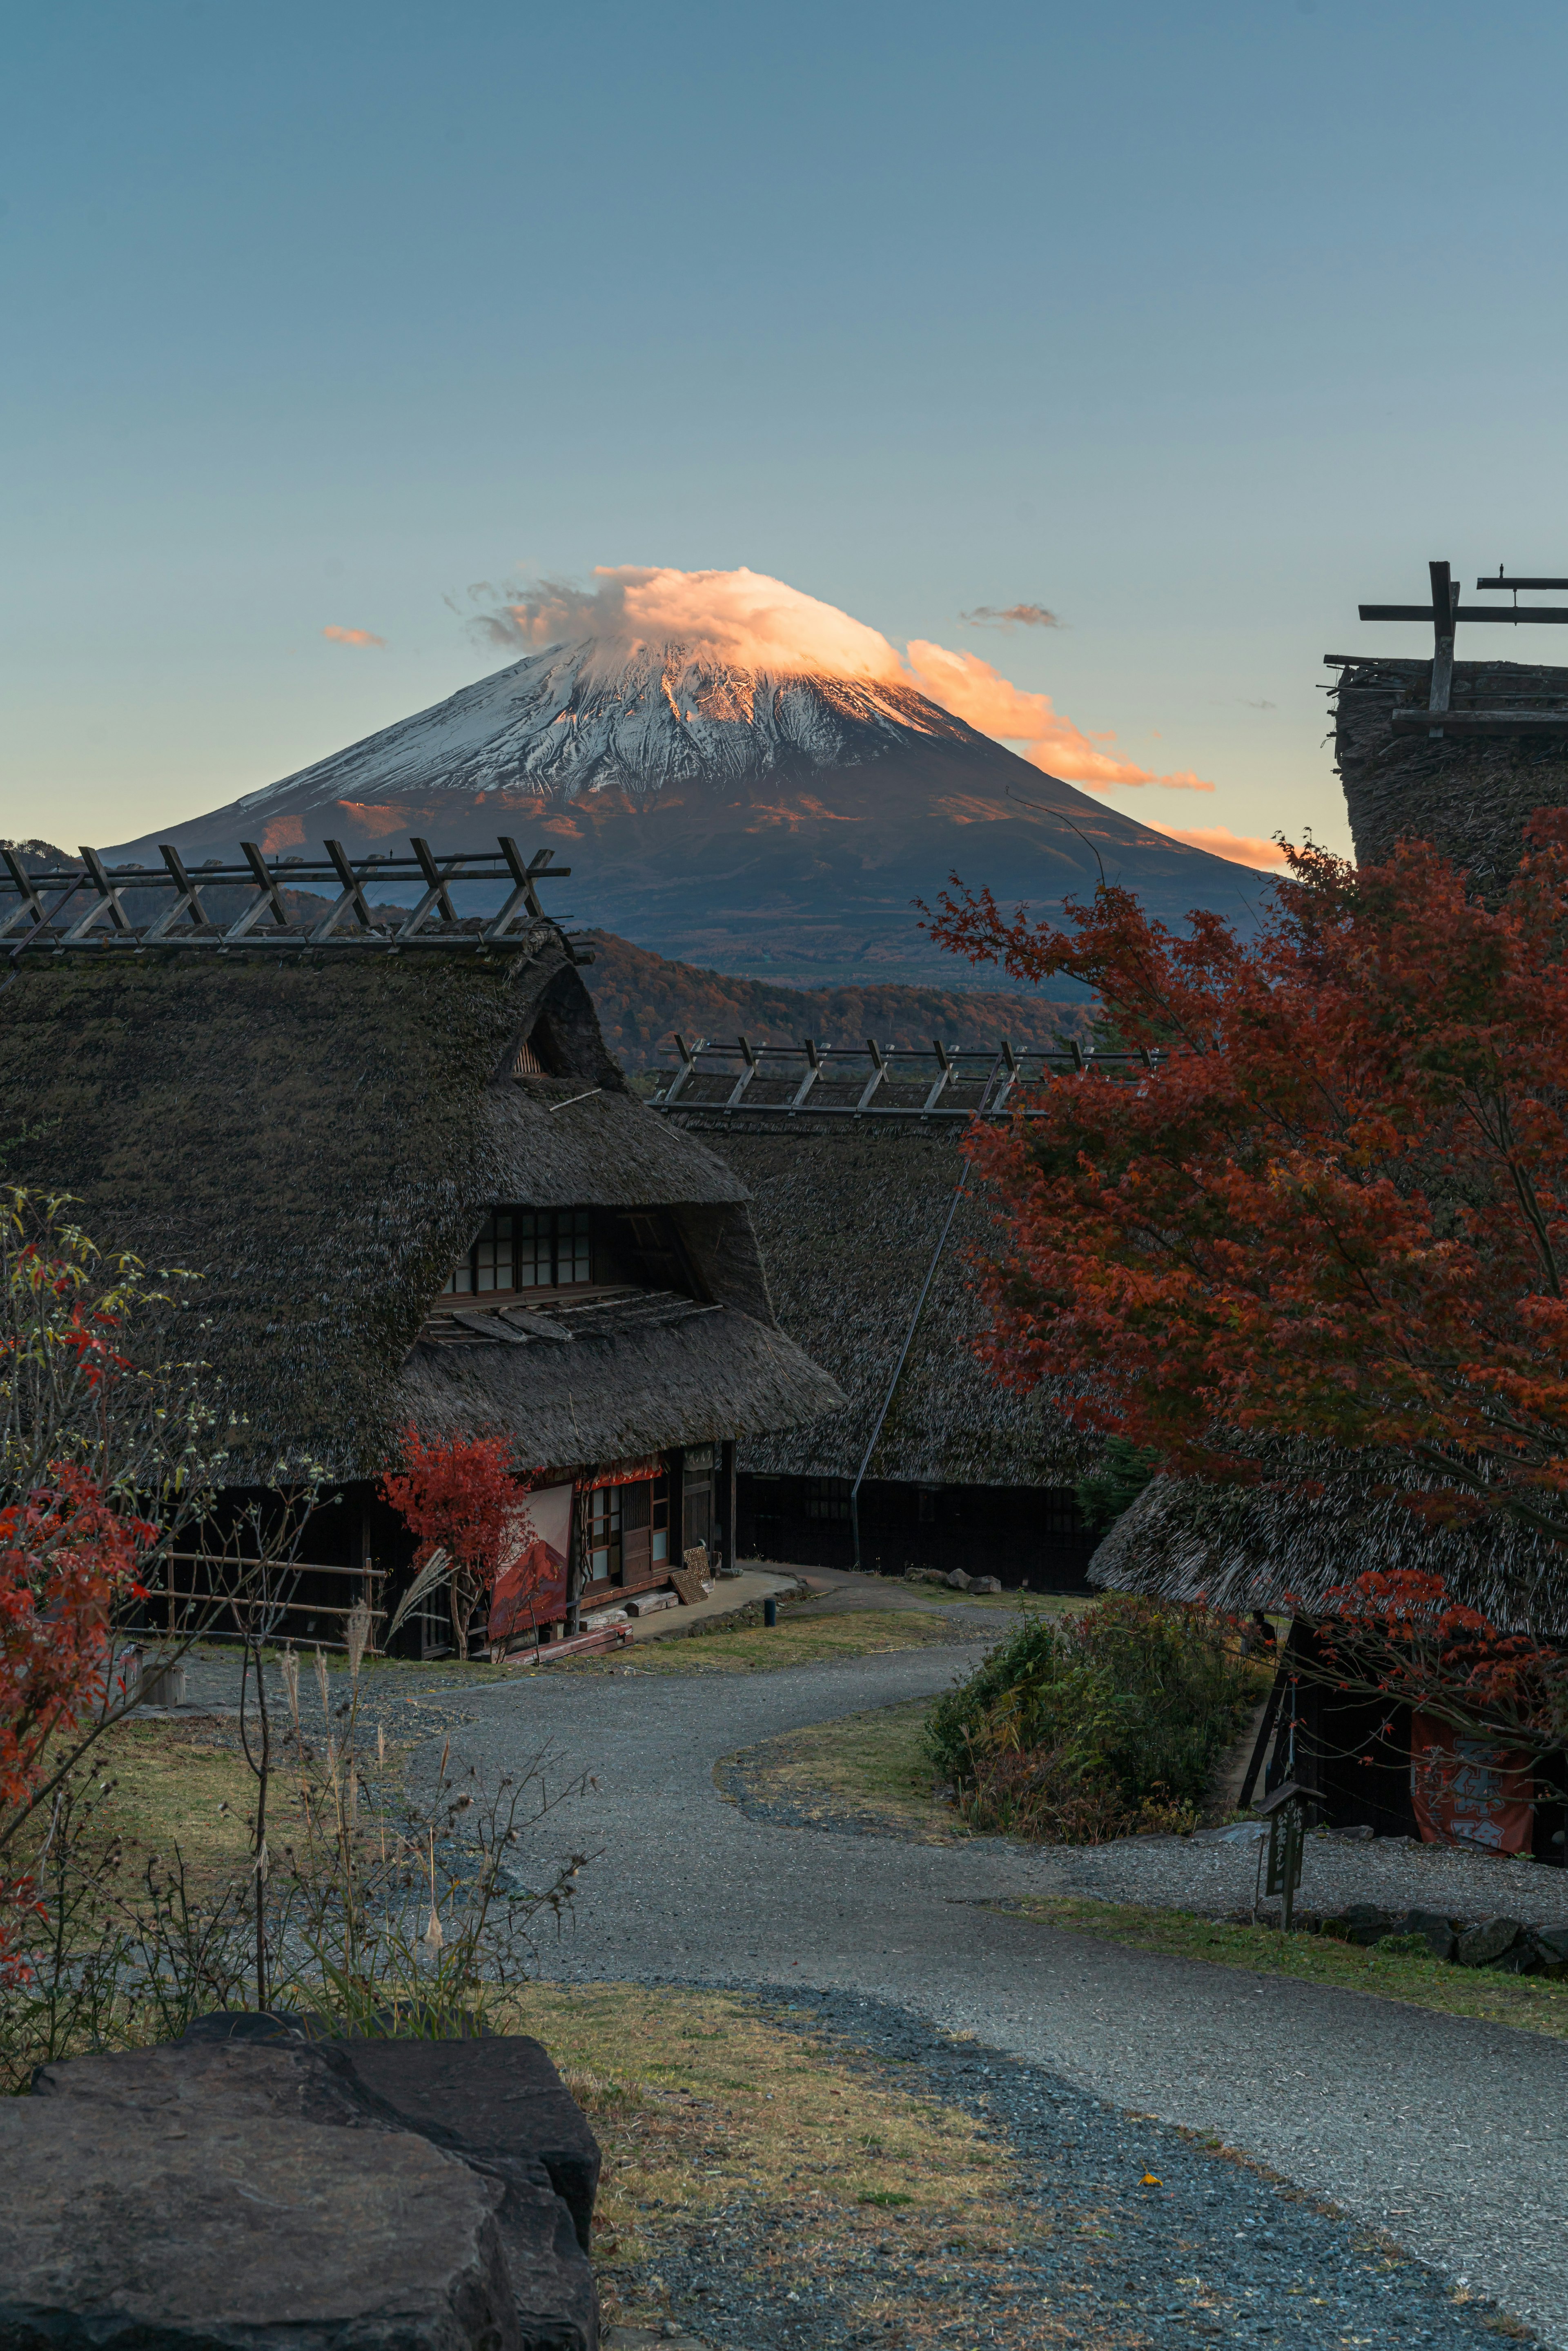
(954, 1470)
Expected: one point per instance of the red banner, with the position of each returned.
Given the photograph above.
(626, 1473)
(1468, 1791)
(530, 1589)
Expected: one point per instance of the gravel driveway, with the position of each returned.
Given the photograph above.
(1444, 2132)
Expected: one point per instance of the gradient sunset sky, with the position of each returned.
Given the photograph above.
(329, 328)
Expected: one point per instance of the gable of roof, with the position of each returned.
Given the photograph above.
(319, 1137)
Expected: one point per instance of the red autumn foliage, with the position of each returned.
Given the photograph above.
(1337, 1208)
(67, 1558)
(462, 1496)
(1400, 1633)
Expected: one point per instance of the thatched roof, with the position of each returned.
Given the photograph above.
(848, 1220)
(1239, 1548)
(1471, 794)
(320, 1136)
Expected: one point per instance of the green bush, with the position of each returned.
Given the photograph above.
(1079, 1729)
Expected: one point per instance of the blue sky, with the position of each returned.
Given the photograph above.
(1192, 324)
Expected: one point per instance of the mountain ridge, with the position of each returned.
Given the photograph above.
(722, 815)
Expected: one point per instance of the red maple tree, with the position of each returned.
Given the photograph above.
(462, 1496)
(1337, 1204)
(1325, 1197)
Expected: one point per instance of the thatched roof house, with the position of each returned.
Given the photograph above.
(1470, 793)
(1283, 1547)
(957, 1470)
(1322, 1520)
(416, 1188)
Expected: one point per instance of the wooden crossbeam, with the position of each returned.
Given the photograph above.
(31, 903)
(187, 899)
(1411, 721)
(109, 897)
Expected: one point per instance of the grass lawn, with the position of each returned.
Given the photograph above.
(707, 2106)
(1531, 2002)
(159, 1784)
(864, 1771)
(794, 1641)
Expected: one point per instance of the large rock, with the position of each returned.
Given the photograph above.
(175, 2226)
(496, 2097)
(1366, 1923)
(1487, 1942)
(247, 2075)
(1436, 1930)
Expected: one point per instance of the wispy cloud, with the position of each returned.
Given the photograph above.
(1241, 848)
(352, 637)
(972, 690)
(1010, 616)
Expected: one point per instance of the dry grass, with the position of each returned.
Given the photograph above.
(707, 2106)
(159, 1784)
(864, 1771)
(804, 1640)
(1529, 2002)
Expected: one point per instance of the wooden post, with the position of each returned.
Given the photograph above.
(727, 1501)
(1445, 612)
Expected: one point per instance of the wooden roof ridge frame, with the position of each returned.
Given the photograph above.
(35, 923)
(991, 1073)
(1444, 613)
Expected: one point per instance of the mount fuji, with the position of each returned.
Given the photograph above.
(743, 817)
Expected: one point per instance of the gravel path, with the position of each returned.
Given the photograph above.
(1444, 2132)
(1146, 2236)
(1218, 1876)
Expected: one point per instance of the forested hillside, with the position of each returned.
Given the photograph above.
(641, 997)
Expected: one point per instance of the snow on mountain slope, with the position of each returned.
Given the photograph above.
(732, 816)
(581, 717)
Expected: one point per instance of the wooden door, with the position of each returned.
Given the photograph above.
(696, 1496)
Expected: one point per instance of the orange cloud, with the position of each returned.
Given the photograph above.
(1241, 848)
(755, 626)
(352, 637)
(741, 617)
(972, 690)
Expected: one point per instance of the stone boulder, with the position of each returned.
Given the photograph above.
(1366, 1923)
(182, 2226)
(499, 2097)
(317, 2117)
(1489, 1941)
(1435, 1929)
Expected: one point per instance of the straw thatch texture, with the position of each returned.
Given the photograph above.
(1276, 1547)
(630, 1375)
(1469, 794)
(848, 1220)
(320, 1138)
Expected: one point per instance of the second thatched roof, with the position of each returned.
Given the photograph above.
(849, 1220)
(1321, 1521)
